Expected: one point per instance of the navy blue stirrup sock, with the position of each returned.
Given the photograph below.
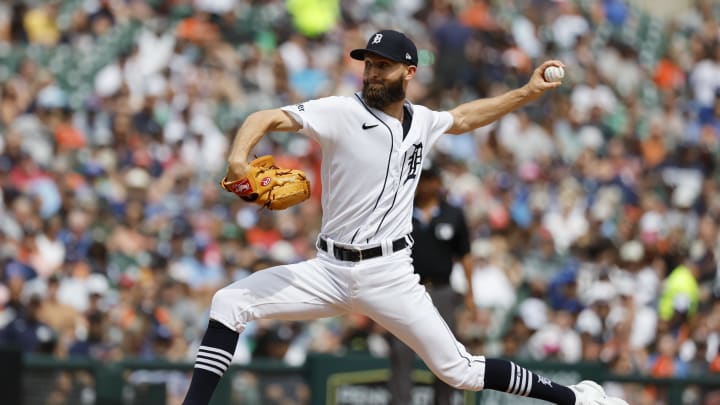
(506, 376)
(213, 358)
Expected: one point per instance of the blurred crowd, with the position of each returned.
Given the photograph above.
(594, 212)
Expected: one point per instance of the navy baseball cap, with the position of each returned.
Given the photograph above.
(389, 44)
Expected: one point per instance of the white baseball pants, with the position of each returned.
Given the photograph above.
(384, 288)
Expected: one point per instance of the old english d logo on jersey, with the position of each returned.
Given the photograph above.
(414, 162)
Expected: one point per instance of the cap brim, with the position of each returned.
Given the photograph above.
(359, 54)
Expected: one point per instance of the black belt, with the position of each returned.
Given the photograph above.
(355, 255)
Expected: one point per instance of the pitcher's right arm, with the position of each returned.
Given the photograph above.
(255, 126)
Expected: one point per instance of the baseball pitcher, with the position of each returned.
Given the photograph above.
(373, 146)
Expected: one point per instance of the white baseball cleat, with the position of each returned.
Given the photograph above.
(591, 393)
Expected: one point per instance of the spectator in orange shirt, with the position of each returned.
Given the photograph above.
(668, 75)
(653, 148)
(264, 234)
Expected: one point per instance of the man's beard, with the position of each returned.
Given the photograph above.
(379, 97)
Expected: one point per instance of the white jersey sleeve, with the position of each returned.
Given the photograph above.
(437, 124)
(318, 117)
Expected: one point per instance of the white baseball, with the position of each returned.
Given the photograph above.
(554, 73)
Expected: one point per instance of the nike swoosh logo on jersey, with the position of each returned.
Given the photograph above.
(366, 126)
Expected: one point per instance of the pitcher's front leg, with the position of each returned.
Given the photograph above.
(294, 292)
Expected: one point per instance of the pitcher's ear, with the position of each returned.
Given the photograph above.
(411, 70)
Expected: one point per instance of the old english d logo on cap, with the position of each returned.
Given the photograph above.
(389, 44)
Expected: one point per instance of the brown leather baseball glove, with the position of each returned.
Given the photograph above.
(270, 186)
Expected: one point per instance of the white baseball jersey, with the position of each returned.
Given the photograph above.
(369, 172)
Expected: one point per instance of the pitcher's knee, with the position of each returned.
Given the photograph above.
(453, 381)
(467, 377)
(466, 383)
(229, 306)
(222, 299)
